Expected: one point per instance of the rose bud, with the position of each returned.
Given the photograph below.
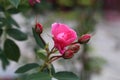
(33, 2)
(84, 38)
(38, 28)
(75, 47)
(68, 54)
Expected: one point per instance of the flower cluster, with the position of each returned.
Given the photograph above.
(65, 39)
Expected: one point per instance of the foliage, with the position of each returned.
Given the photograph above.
(9, 32)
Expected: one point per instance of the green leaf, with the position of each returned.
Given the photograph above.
(11, 50)
(50, 70)
(24, 8)
(38, 39)
(41, 54)
(27, 67)
(12, 21)
(2, 22)
(15, 3)
(1, 8)
(4, 60)
(65, 76)
(16, 34)
(39, 76)
(1, 25)
(1, 32)
(13, 11)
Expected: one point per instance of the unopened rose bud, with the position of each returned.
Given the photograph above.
(75, 47)
(33, 2)
(84, 38)
(68, 54)
(38, 28)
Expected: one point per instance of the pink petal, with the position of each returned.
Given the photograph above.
(62, 36)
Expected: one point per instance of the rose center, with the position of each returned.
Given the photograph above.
(61, 36)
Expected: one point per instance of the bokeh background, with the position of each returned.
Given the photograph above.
(97, 60)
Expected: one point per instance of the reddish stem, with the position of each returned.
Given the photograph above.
(74, 43)
(36, 19)
(54, 58)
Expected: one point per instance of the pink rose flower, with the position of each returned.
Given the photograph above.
(33, 2)
(62, 36)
